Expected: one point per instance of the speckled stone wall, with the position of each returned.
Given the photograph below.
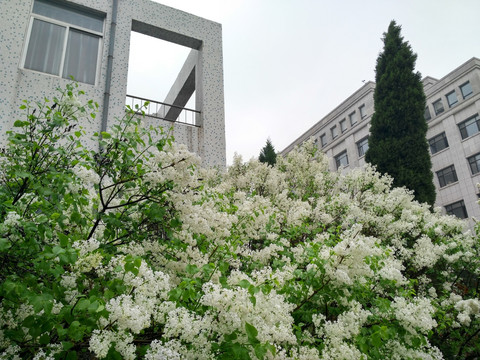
(144, 16)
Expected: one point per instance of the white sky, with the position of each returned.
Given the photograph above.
(288, 63)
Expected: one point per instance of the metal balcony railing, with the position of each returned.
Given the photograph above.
(163, 111)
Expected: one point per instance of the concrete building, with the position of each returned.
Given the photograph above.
(452, 114)
(43, 42)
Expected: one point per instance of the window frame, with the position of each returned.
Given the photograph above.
(447, 176)
(461, 87)
(351, 116)
(342, 155)
(438, 110)
(334, 132)
(343, 125)
(447, 96)
(68, 29)
(434, 140)
(361, 145)
(463, 128)
(363, 113)
(450, 209)
(323, 140)
(474, 162)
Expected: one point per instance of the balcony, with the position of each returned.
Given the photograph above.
(163, 111)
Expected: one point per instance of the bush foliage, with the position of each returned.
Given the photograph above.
(135, 251)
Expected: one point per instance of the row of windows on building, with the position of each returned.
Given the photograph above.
(467, 128)
(342, 158)
(451, 98)
(342, 125)
(64, 41)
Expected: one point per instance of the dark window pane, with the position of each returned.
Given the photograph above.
(341, 159)
(438, 143)
(362, 147)
(452, 98)
(470, 126)
(458, 209)
(447, 176)
(427, 114)
(438, 107)
(474, 162)
(323, 139)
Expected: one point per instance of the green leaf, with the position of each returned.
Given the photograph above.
(240, 352)
(92, 307)
(44, 339)
(67, 345)
(244, 283)
(376, 339)
(19, 123)
(63, 239)
(72, 355)
(4, 244)
(251, 330)
(106, 135)
(260, 351)
(192, 269)
(230, 337)
(83, 304)
(57, 250)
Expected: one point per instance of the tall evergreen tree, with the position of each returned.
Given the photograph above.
(268, 154)
(397, 144)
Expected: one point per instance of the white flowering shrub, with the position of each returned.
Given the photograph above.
(135, 251)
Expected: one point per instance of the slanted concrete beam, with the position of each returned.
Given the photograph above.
(181, 90)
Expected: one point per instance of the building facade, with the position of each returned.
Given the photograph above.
(44, 42)
(452, 114)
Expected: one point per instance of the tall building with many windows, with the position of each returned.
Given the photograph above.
(452, 114)
(45, 42)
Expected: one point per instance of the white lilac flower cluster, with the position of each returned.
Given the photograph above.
(314, 261)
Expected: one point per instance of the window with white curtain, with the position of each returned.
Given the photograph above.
(64, 41)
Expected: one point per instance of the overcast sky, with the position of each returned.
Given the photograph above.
(288, 63)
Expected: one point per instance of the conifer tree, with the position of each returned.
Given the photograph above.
(397, 142)
(268, 154)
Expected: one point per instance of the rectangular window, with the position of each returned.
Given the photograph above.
(362, 146)
(343, 125)
(469, 127)
(474, 162)
(64, 41)
(438, 143)
(466, 89)
(334, 132)
(323, 140)
(438, 107)
(451, 98)
(447, 176)
(362, 111)
(353, 118)
(341, 159)
(458, 209)
(427, 114)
